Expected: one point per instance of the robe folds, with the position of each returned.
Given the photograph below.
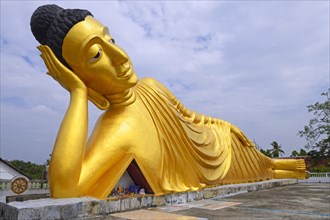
(197, 150)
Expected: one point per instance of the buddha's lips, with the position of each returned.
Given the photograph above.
(124, 70)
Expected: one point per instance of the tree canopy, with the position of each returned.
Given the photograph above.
(30, 169)
(266, 152)
(317, 132)
(277, 149)
(296, 153)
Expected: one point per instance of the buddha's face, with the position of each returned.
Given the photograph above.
(103, 66)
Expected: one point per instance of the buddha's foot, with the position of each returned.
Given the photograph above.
(289, 164)
(284, 174)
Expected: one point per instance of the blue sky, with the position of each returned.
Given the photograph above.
(256, 64)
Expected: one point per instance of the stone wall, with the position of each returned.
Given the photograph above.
(88, 207)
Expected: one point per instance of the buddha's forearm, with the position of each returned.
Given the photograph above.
(69, 149)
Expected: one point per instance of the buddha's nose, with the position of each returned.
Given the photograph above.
(117, 55)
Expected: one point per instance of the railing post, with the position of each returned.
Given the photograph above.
(3, 186)
(33, 185)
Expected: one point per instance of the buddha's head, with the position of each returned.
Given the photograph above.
(86, 47)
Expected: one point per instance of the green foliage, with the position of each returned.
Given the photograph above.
(276, 151)
(31, 169)
(320, 169)
(318, 162)
(266, 152)
(294, 153)
(317, 132)
(301, 153)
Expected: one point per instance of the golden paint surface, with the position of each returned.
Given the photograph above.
(176, 149)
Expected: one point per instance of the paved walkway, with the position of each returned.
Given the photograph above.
(302, 201)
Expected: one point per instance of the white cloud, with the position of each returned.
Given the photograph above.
(255, 64)
(43, 110)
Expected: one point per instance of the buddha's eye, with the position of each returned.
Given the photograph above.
(112, 41)
(96, 56)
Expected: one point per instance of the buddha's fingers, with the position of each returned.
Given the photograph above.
(48, 61)
(52, 64)
(60, 72)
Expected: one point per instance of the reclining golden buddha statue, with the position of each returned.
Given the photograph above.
(143, 123)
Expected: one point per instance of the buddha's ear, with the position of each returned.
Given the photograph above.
(99, 100)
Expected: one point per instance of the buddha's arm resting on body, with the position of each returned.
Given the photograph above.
(69, 149)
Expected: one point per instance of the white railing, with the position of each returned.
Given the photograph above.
(326, 175)
(317, 178)
(33, 185)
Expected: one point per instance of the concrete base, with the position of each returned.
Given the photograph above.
(86, 207)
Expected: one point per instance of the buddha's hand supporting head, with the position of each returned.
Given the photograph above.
(82, 48)
(69, 80)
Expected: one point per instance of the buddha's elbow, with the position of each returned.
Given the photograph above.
(63, 187)
(63, 190)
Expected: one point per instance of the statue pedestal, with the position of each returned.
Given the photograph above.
(86, 207)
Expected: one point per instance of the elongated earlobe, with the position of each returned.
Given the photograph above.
(99, 100)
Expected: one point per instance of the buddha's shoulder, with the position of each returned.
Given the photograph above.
(150, 81)
(118, 123)
(157, 85)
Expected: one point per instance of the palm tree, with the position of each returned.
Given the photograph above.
(276, 151)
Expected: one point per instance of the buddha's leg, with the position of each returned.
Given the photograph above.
(289, 164)
(283, 174)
